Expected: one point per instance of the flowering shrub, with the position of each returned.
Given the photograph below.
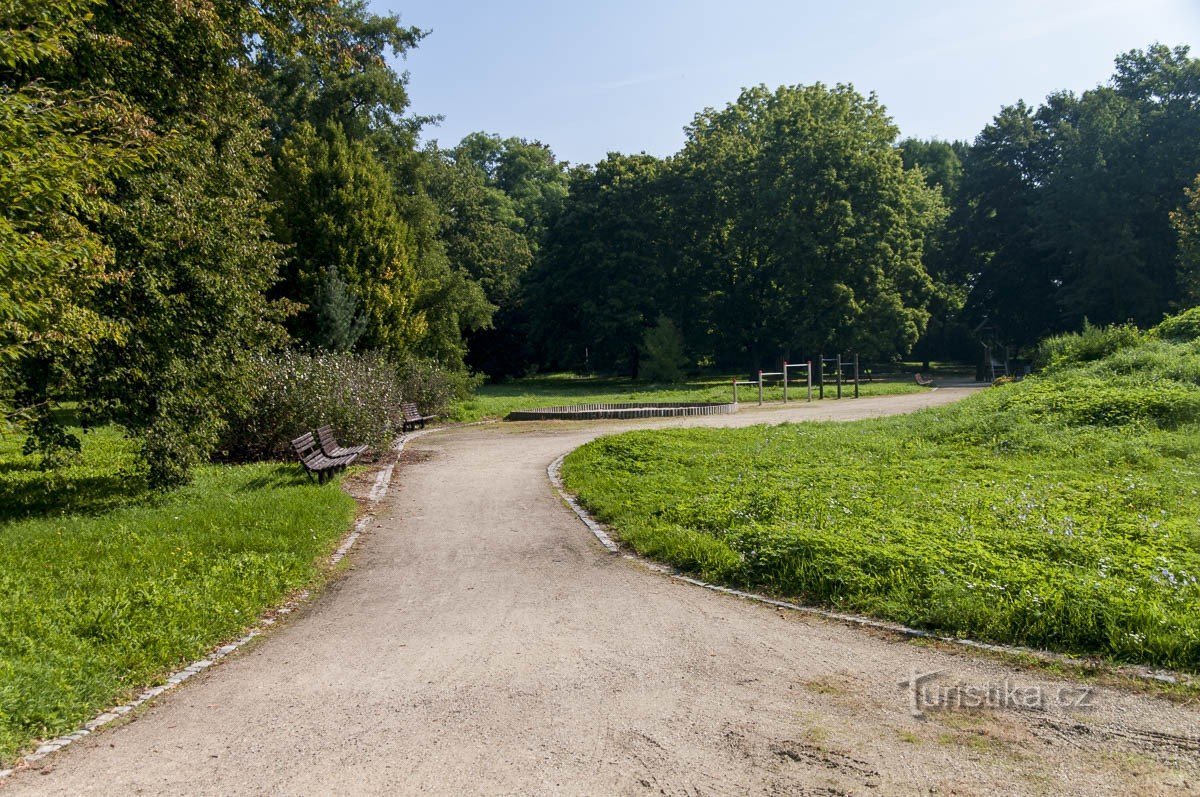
(359, 395)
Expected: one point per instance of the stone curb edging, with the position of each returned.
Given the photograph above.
(622, 410)
(378, 491)
(553, 472)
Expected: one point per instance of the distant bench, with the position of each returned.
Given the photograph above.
(316, 461)
(923, 381)
(413, 417)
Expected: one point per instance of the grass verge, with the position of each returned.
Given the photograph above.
(496, 401)
(1062, 512)
(105, 587)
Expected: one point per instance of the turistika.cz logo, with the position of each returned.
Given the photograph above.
(926, 693)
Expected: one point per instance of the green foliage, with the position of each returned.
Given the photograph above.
(1186, 221)
(1068, 207)
(432, 385)
(193, 239)
(335, 207)
(808, 229)
(786, 225)
(1057, 512)
(1093, 343)
(358, 395)
(663, 356)
(338, 325)
(61, 148)
(106, 587)
(601, 278)
(1181, 327)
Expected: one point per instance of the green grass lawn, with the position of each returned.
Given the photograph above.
(105, 587)
(1062, 512)
(496, 401)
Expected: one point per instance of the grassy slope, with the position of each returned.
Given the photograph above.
(496, 401)
(105, 587)
(1061, 512)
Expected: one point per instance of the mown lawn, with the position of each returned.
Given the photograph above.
(1062, 512)
(496, 401)
(105, 587)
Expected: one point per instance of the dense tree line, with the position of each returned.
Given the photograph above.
(793, 222)
(187, 186)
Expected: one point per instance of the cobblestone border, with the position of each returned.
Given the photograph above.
(379, 489)
(554, 474)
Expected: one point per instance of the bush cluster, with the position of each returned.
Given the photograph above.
(359, 395)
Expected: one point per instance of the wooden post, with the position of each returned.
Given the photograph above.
(760, 396)
(785, 367)
(839, 376)
(856, 375)
(821, 377)
(735, 390)
(809, 370)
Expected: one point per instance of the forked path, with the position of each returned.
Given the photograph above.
(486, 643)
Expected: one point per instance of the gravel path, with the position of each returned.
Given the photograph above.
(485, 643)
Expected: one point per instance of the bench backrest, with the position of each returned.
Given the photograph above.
(305, 445)
(410, 411)
(325, 438)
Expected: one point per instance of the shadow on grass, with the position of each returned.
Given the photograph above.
(277, 476)
(26, 491)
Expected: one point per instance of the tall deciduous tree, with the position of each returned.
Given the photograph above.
(61, 150)
(604, 274)
(803, 226)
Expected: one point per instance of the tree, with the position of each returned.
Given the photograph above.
(803, 226)
(663, 355)
(604, 272)
(61, 151)
(941, 164)
(187, 229)
(1187, 225)
(1070, 205)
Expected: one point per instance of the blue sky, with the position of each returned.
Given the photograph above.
(588, 78)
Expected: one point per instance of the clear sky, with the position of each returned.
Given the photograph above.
(588, 78)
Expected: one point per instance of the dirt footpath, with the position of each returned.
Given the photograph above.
(485, 643)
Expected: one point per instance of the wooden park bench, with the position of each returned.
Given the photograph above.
(315, 461)
(330, 447)
(923, 381)
(413, 416)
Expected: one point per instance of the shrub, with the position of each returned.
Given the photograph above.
(663, 355)
(432, 386)
(1092, 343)
(358, 395)
(1179, 328)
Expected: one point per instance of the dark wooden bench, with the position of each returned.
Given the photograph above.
(923, 381)
(330, 447)
(413, 417)
(315, 461)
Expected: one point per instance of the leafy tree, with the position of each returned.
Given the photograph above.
(1187, 225)
(941, 164)
(186, 228)
(339, 325)
(1070, 205)
(605, 269)
(61, 150)
(335, 207)
(803, 227)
